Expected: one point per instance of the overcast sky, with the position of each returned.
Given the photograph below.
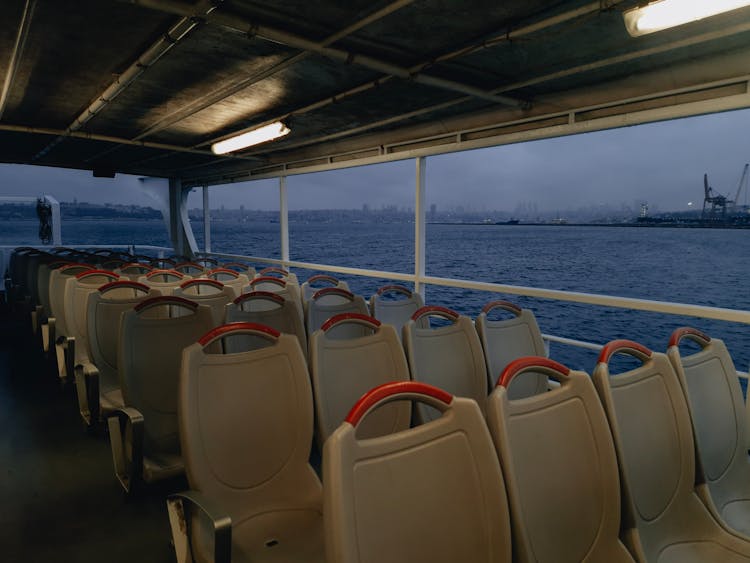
(661, 163)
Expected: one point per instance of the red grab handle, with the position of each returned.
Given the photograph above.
(264, 295)
(358, 318)
(268, 279)
(437, 311)
(689, 332)
(166, 300)
(105, 273)
(124, 283)
(532, 363)
(394, 391)
(238, 328)
(505, 305)
(395, 288)
(624, 347)
(333, 291)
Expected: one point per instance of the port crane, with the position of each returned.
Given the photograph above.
(715, 203)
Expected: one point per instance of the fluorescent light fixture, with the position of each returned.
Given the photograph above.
(254, 137)
(670, 13)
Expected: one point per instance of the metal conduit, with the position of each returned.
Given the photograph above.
(163, 45)
(734, 30)
(23, 33)
(279, 36)
(558, 19)
(223, 93)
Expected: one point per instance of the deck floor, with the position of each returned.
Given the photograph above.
(59, 498)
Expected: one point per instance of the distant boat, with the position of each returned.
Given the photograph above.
(508, 222)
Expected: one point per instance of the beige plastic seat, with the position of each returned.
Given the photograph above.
(144, 435)
(192, 269)
(55, 331)
(134, 270)
(277, 285)
(206, 291)
(504, 340)
(266, 308)
(319, 281)
(342, 370)
(429, 494)
(166, 281)
(286, 275)
(246, 428)
(240, 268)
(560, 467)
(710, 382)
(229, 278)
(97, 381)
(448, 357)
(394, 305)
(650, 422)
(77, 291)
(329, 302)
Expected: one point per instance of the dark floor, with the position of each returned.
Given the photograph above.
(59, 498)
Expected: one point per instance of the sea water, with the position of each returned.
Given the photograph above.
(696, 266)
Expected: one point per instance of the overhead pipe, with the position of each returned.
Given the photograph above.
(588, 9)
(223, 93)
(578, 69)
(280, 36)
(17, 52)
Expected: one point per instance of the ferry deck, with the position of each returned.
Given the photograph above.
(148, 87)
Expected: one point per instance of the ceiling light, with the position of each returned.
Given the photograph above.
(254, 137)
(670, 13)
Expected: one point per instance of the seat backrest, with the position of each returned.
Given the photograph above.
(45, 272)
(329, 302)
(57, 281)
(77, 291)
(166, 281)
(650, 423)
(507, 339)
(319, 281)
(286, 275)
(148, 364)
(430, 494)
(343, 369)
(104, 309)
(277, 285)
(229, 278)
(394, 305)
(206, 291)
(240, 267)
(717, 411)
(449, 357)
(246, 423)
(559, 465)
(133, 271)
(191, 269)
(266, 308)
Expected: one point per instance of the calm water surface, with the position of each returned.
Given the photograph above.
(700, 266)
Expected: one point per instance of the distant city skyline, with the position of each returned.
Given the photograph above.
(660, 163)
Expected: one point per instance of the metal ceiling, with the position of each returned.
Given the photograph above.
(145, 86)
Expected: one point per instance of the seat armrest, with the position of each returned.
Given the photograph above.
(65, 350)
(179, 505)
(126, 436)
(48, 333)
(87, 390)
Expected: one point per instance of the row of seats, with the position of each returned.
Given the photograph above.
(596, 469)
(644, 416)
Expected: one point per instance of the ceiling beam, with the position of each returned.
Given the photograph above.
(509, 35)
(269, 33)
(226, 91)
(176, 33)
(17, 53)
(564, 73)
(63, 133)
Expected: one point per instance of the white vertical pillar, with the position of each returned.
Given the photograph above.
(284, 219)
(206, 221)
(419, 226)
